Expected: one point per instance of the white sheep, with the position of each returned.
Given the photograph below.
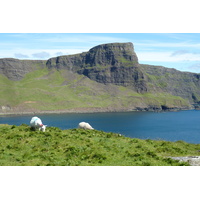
(85, 125)
(37, 123)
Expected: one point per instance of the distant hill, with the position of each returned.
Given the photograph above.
(106, 78)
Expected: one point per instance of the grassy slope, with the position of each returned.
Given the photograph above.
(57, 90)
(184, 84)
(20, 146)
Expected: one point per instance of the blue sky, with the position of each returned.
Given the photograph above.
(174, 50)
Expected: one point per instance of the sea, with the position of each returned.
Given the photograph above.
(169, 126)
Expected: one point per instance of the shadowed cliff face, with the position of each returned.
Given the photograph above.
(130, 77)
(114, 63)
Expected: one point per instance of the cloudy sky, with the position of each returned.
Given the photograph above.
(174, 50)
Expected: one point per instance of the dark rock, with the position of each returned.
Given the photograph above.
(113, 54)
(114, 63)
(71, 62)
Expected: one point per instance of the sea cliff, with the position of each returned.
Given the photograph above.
(106, 78)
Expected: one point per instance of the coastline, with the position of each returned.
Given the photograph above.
(99, 110)
(91, 110)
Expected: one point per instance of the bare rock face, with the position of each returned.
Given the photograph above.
(15, 69)
(113, 54)
(114, 63)
(70, 62)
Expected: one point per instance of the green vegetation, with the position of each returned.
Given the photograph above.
(165, 99)
(21, 146)
(106, 78)
(172, 81)
(54, 90)
(126, 62)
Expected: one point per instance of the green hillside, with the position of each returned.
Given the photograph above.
(108, 77)
(174, 82)
(53, 90)
(21, 146)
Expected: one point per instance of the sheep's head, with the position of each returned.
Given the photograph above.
(43, 128)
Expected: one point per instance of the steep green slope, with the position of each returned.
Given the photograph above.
(174, 82)
(20, 146)
(53, 90)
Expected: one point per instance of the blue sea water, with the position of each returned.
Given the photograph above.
(169, 126)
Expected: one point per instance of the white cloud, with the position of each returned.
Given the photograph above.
(59, 54)
(37, 53)
(19, 55)
(166, 57)
(81, 38)
(41, 55)
(150, 43)
(179, 52)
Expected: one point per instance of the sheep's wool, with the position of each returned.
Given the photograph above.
(85, 125)
(36, 122)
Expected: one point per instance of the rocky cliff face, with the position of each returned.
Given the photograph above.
(114, 54)
(15, 69)
(114, 63)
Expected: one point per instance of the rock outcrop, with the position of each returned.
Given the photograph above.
(192, 160)
(114, 63)
(16, 69)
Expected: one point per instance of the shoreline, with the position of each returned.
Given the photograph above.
(64, 112)
(89, 110)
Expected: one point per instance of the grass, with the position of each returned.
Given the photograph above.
(172, 81)
(21, 146)
(45, 89)
(165, 99)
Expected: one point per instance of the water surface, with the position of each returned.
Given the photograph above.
(170, 126)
